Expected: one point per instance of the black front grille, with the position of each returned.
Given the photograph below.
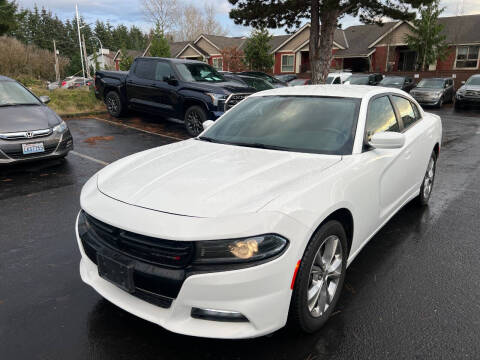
(472, 93)
(166, 253)
(233, 100)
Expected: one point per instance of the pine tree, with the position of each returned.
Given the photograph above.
(8, 18)
(427, 38)
(257, 51)
(160, 46)
(126, 61)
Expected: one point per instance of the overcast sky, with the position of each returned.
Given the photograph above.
(129, 12)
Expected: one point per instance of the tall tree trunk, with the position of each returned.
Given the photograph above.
(321, 49)
(313, 42)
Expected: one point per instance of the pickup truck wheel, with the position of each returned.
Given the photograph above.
(114, 104)
(195, 116)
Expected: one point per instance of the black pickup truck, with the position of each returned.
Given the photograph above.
(177, 89)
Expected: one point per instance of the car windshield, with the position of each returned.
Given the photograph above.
(330, 79)
(323, 125)
(199, 72)
(12, 93)
(358, 80)
(297, 82)
(392, 80)
(257, 83)
(431, 83)
(473, 81)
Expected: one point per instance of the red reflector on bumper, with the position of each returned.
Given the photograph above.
(295, 274)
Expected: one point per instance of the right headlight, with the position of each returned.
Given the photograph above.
(243, 250)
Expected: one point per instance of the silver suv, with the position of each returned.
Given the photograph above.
(469, 93)
(434, 91)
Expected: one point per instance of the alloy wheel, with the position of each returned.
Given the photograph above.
(194, 123)
(325, 275)
(112, 105)
(428, 180)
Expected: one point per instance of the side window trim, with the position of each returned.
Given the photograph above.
(397, 113)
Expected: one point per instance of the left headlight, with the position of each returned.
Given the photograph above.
(60, 128)
(217, 99)
(243, 250)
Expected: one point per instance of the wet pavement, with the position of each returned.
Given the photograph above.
(413, 292)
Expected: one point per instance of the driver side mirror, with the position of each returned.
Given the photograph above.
(387, 140)
(207, 124)
(171, 80)
(463, 82)
(45, 99)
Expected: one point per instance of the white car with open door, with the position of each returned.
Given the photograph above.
(254, 222)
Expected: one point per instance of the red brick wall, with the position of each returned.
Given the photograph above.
(449, 62)
(379, 58)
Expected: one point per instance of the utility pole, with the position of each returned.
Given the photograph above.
(80, 42)
(57, 68)
(86, 57)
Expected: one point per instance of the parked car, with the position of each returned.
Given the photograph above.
(29, 129)
(189, 90)
(338, 77)
(286, 78)
(53, 85)
(297, 82)
(434, 91)
(257, 83)
(271, 79)
(469, 92)
(404, 83)
(255, 221)
(364, 79)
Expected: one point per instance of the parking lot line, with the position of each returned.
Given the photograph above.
(135, 128)
(104, 163)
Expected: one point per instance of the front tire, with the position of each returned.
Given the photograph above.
(428, 179)
(195, 116)
(320, 278)
(114, 104)
(440, 102)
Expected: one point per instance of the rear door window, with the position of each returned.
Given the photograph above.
(145, 69)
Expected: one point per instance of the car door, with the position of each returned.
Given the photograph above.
(384, 168)
(164, 96)
(417, 144)
(140, 83)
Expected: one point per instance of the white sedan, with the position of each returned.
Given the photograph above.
(254, 222)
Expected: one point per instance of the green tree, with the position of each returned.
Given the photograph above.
(257, 51)
(160, 46)
(427, 37)
(126, 61)
(8, 17)
(291, 13)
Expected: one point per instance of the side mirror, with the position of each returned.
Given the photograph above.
(170, 80)
(207, 124)
(45, 99)
(387, 140)
(463, 82)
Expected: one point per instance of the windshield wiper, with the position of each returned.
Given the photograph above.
(261, 146)
(205, 138)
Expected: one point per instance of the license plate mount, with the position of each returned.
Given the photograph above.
(116, 271)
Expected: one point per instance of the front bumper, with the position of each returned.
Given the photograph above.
(422, 100)
(467, 99)
(261, 293)
(56, 145)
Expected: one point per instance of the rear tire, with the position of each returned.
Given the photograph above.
(427, 182)
(195, 116)
(319, 281)
(114, 104)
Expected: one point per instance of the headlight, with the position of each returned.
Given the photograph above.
(60, 128)
(437, 93)
(244, 250)
(218, 99)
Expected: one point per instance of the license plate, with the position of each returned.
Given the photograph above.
(33, 148)
(115, 271)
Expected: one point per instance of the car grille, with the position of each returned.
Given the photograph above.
(17, 153)
(472, 93)
(166, 253)
(25, 134)
(233, 100)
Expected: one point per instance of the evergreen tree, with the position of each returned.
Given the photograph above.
(160, 46)
(8, 16)
(427, 38)
(126, 61)
(257, 51)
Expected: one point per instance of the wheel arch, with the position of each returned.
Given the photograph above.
(436, 149)
(189, 102)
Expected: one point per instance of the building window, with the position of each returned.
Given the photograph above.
(467, 57)
(217, 64)
(287, 63)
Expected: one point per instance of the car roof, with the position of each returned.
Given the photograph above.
(4, 78)
(353, 91)
(172, 60)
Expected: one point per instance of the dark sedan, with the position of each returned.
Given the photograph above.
(404, 83)
(29, 130)
(272, 80)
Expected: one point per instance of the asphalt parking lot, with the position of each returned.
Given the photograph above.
(413, 292)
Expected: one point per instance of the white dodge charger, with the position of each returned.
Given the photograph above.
(254, 222)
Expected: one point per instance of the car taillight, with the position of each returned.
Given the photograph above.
(64, 83)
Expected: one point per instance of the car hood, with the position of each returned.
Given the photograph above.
(396, 86)
(29, 117)
(225, 87)
(426, 90)
(470, 87)
(201, 179)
